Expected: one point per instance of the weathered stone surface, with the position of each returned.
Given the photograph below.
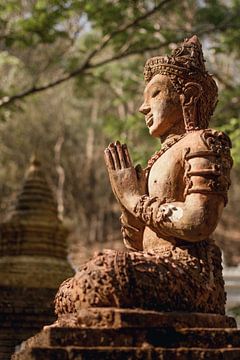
(131, 354)
(132, 343)
(118, 318)
(32, 261)
(171, 208)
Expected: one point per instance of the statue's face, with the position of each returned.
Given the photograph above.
(161, 106)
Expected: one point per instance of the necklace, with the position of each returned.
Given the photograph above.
(160, 152)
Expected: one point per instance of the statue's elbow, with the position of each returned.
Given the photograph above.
(201, 216)
(200, 229)
(202, 232)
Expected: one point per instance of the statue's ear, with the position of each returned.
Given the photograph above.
(189, 98)
(191, 94)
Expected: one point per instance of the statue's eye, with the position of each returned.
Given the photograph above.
(155, 93)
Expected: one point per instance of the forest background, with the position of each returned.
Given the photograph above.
(72, 81)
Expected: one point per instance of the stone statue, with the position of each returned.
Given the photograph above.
(169, 209)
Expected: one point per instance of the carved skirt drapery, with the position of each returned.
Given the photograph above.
(181, 278)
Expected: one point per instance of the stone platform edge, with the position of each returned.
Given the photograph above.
(122, 318)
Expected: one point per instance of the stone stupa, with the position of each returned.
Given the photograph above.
(33, 261)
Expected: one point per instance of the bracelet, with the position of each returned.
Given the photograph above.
(145, 212)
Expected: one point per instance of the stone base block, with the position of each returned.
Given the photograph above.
(131, 354)
(23, 312)
(119, 318)
(136, 334)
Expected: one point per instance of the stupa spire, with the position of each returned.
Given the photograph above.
(36, 197)
(32, 226)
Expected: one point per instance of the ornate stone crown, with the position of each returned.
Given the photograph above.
(186, 61)
(186, 64)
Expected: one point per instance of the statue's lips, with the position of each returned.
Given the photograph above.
(149, 120)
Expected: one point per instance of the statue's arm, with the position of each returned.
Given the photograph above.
(131, 227)
(207, 181)
(132, 231)
(192, 220)
(207, 166)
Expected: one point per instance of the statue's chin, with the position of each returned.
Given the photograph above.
(155, 132)
(158, 128)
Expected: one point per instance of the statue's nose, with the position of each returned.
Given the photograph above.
(144, 108)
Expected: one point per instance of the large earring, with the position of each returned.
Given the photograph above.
(189, 98)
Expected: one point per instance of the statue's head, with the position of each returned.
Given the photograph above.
(179, 89)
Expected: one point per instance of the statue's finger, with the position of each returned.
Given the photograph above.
(126, 156)
(139, 171)
(108, 159)
(115, 157)
(120, 155)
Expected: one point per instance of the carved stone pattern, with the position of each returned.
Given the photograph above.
(217, 179)
(143, 209)
(186, 64)
(220, 144)
(150, 211)
(145, 280)
(187, 177)
(216, 141)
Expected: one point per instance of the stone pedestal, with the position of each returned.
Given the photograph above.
(135, 334)
(33, 262)
(22, 314)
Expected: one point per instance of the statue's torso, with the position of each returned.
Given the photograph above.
(166, 182)
(196, 163)
(166, 176)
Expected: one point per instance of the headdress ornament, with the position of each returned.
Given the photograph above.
(186, 60)
(186, 65)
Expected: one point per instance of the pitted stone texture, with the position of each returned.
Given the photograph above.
(131, 354)
(103, 318)
(184, 278)
(166, 343)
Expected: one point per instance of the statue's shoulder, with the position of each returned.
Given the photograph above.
(216, 141)
(209, 140)
(207, 157)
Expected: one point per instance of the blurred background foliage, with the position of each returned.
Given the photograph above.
(71, 81)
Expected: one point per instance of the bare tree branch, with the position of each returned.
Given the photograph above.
(6, 100)
(129, 53)
(88, 65)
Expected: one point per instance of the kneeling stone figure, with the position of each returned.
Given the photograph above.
(169, 209)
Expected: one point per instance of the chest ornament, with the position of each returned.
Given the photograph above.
(160, 152)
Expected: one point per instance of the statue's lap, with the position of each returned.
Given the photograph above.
(171, 279)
